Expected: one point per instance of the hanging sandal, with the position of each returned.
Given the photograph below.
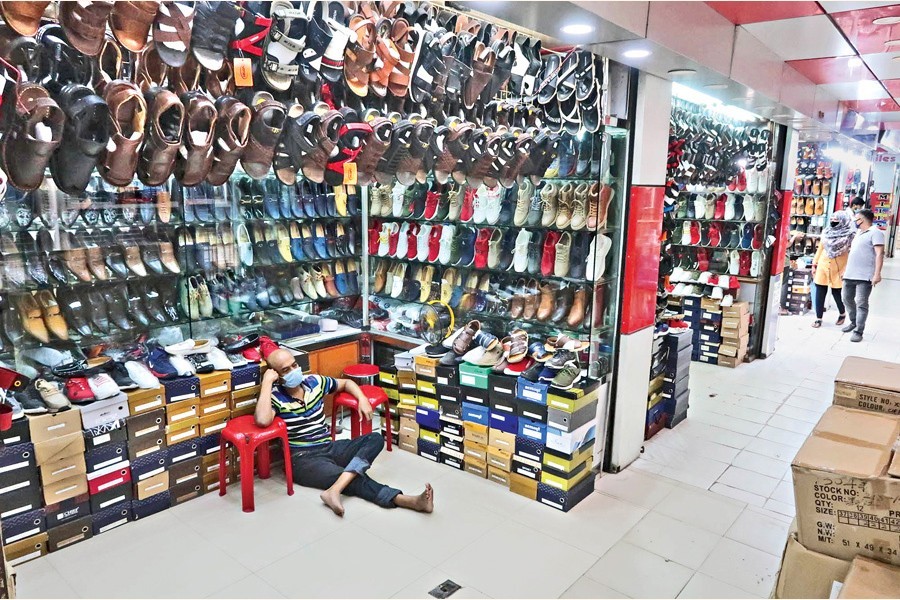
(351, 140)
(318, 38)
(195, 158)
(232, 135)
(85, 138)
(131, 21)
(300, 135)
(483, 61)
(333, 58)
(387, 57)
(23, 17)
(165, 121)
(172, 31)
(85, 23)
(359, 55)
(283, 45)
(373, 149)
(214, 22)
(128, 112)
(33, 132)
(409, 168)
(265, 130)
(313, 164)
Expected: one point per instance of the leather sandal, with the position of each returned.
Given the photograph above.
(220, 83)
(409, 170)
(131, 21)
(162, 139)
(405, 42)
(351, 139)
(318, 38)
(401, 141)
(359, 55)
(172, 31)
(265, 130)
(185, 78)
(300, 134)
(232, 136)
(456, 145)
(333, 58)
(85, 138)
(314, 162)
(386, 58)
(374, 148)
(23, 17)
(128, 112)
(214, 24)
(85, 23)
(60, 62)
(283, 45)
(195, 158)
(110, 64)
(152, 71)
(482, 72)
(33, 133)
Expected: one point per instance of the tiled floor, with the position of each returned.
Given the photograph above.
(702, 514)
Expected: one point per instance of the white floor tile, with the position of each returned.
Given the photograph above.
(714, 434)
(431, 580)
(814, 404)
(593, 526)
(639, 573)
(729, 423)
(761, 464)
(737, 494)
(672, 539)
(744, 567)
(38, 579)
(772, 449)
(586, 587)
(707, 510)
(800, 414)
(781, 507)
(635, 487)
(694, 446)
(496, 563)
(249, 587)
(760, 531)
(704, 586)
(749, 481)
(800, 427)
(784, 492)
(787, 438)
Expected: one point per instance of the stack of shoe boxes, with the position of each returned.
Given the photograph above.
(449, 396)
(656, 415)
(676, 388)
(407, 401)
(476, 417)
(23, 523)
(504, 425)
(427, 407)
(108, 465)
(735, 334)
(387, 379)
(799, 291)
(566, 477)
(705, 318)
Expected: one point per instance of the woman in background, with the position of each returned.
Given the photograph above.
(830, 261)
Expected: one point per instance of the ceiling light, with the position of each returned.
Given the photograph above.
(854, 62)
(886, 21)
(716, 86)
(637, 53)
(682, 72)
(577, 29)
(892, 43)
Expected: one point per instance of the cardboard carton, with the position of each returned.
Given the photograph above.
(807, 574)
(869, 578)
(868, 384)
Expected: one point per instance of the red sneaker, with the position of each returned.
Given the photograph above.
(78, 390)
(742, 181)
(434, 243)
(695, 232)
(394, 239)
(252, 355)
(702, 259)
(266, 346)
(374, 230)
(745, 264)
(468, 207)
(548, 260)
(432, 199)
(756, 244)
(720, 207)
(715, 234)
(481, 247)
(412, 241)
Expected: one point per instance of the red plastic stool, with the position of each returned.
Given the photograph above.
(244, 434)
(376, 397)
(362, 373)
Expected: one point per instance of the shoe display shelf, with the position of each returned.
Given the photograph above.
(813, 199)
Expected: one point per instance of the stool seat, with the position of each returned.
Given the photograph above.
(361, 370)
(244, 434)
(376, 397)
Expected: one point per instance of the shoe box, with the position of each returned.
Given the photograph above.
(67, 510)
(675, 419)
(152, 505)
(452, 458)
(674, 389)
(533, 430)
(26, 549)
(498, 476)
(430, 436)
(19, 480)
(428, 401)
(502, 440)
(679, 341)
(475, 467)
(567, 441)
(451, 441)
(447, 375)
(473, 376)
(679, 403)
(524, 486)
(868, 384)
(532, 391)
(111, 517)
(565, 500)
(529, 449)
(565, 420)
(23, 525)
(243, 401)
(475, 451)
(387, 377)
(475, 396)
(181, 388)
(18, 433)
(475, 413)
(428, 418)
(100, 412)
(70, 533)
(426, 366)
(499, 459)
(248, 376)
(449, 400)
(143, 401)
(429, 450)
(657, 415)
(475, 433)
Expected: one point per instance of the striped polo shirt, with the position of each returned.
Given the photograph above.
(305, 419)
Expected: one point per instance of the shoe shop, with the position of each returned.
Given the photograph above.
(469, 285)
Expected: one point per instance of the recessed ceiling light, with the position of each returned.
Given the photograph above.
(716, 86)
(577, 29)
(682, 71)
(637, 53)
(886, 21)
(854, 62)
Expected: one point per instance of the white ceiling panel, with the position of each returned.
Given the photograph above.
(860, 90)
(797, 91)
(834, 7)
(756, 66)
(885, 65)
(670, 24)
(801, 38)
(628, 15)
(827, 105)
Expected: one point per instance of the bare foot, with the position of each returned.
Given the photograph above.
(425, 501)
(333, 501)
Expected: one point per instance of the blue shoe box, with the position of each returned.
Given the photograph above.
(150, 506)
(429, 450)
(565, 501)
(504, 422)
(111, 517)
(532, 391)
(475, 413)
(182, 451)
(428, 418)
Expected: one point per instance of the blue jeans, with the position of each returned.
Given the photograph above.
(321, 466)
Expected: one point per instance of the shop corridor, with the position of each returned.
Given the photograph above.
(703, 513)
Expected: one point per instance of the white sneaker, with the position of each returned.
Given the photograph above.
(760, 207)
(384, 239)
(520, 255)
(724, 282)
(103, 386)
(219, 359)
(699, 206)
(729, 207)
(686, 233)
(717, 293)
(704, 277)
(755, 262)
(494, 204)
(523, 202)
(763, 181)
(422, 241)
(728, 300)
(397, 197)
(447, 234)
(596, 262)
(403, 241)
(479, 204)
(677, 275)
(752, 179)
(182, 365)
(679, 290)
(749, 208)
(734, 262)
(399, 276)
(141, 375)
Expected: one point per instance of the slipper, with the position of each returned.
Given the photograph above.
(584, 76)
(214, 23)
(549, 78)
(172, 31)
(283, 45)
(84, 139)
(566, 82)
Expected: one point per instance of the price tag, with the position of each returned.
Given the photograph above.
(243, 72)
(349, 173)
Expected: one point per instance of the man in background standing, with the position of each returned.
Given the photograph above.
(863, 272)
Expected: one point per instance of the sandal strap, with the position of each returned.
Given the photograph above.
(252, 43)
(173, 24)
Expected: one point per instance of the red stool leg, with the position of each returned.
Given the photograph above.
(288, 467)
(222, 482)
(355, 429)
(334, 410)
(387, 424)
(263, 460)
(247, 478)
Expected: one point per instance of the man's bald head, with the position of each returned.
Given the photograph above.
(281, 361)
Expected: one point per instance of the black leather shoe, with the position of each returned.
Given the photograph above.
(117, 306)
(535, 251)
(95, 309)
(12, 321)
(150, 252)
(168, 294)
(74, 310)
(564, 298)
(115, 257)
(136, 306)
(34, 266)
(151, 300)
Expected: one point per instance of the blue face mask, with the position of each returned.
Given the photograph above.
(293, 378)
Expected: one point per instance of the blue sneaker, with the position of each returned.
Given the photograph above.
(159, 364)
(548, 374)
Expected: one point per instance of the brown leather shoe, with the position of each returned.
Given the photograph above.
(128, 110)
(313, 163)
(517, 302)
(131, 22)
(53, 318)
(95, 261)
(25, 153)
(193, 163)
(232, 135)
(167, 254)
(548, 302)
(593, 205)
(607, 193)
(463, 341)
(75, 256)
(579, 304)
(565, 297)
(164, 206)
(165, 122)
(32, 320)
(265, 129)
(328, 278)
(84, 23)
(132, 253)
(23, 17)
(532, 298)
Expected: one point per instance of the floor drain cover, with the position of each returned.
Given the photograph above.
(445, 590)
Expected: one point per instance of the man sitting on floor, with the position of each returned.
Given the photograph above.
(336, 467)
